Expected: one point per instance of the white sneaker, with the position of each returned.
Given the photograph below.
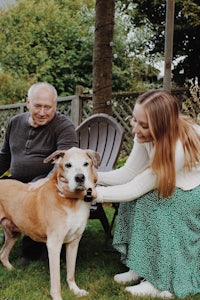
(126, 277)
(146, 288)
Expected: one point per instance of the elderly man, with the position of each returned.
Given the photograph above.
(29, 138)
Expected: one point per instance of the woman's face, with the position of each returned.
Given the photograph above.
(140, 126)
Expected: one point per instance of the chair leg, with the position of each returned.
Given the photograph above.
(107, 247)
(113, 219)
(99, 213)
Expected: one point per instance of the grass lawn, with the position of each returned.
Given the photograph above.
(95, 269)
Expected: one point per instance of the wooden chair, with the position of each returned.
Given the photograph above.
(102, 133)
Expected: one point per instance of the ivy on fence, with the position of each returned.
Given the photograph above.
(191, 106)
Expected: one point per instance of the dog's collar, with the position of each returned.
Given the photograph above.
(88, 197)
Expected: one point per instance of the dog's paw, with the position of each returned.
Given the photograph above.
(75, 289)
(81, 293)
(7, 264)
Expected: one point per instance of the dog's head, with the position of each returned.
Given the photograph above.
(75, 168)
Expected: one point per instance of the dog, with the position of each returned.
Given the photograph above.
(55, 213)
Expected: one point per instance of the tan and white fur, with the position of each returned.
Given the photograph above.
(54, 213)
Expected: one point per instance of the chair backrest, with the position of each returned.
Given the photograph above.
(101, 133)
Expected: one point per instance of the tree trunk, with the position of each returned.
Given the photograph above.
(169, 34)
(102, 56)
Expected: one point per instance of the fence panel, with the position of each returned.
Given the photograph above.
(79, 107)
(122, 107)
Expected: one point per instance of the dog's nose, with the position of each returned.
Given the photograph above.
(80, 178)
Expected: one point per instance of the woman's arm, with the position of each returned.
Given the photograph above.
(135, 188)
(136, 162)
(139, 185)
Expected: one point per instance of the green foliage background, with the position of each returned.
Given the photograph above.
(152, 13)
(45, 41)
(52, 40)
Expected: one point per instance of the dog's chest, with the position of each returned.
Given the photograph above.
(76, 221)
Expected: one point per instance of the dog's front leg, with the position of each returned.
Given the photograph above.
(54, 249)
(71, 255)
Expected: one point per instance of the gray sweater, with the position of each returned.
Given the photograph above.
(25, 147)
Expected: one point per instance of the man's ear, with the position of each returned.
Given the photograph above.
(27, 103)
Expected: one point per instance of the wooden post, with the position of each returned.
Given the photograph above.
(76, 108)
(102, 56)
(169, 34)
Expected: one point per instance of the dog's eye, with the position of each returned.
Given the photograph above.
(68, 165)
(86, 164)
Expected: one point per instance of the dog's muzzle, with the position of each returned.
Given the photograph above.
(80, 180)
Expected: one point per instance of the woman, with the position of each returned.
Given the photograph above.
(158, 235)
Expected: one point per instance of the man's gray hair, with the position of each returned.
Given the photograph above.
(39, 85)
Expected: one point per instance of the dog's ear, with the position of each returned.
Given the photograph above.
(54, 156)
(95, 157)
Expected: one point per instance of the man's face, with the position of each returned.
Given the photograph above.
(42, 107)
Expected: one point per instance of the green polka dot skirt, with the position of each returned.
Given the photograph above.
(160, 240)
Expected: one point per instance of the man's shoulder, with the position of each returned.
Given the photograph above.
(19, 117)
(62, 119)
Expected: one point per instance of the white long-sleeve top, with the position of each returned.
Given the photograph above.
(134, 180)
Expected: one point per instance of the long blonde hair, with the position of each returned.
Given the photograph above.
(167, 125)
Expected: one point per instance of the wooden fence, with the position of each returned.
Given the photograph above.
(79, 106)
